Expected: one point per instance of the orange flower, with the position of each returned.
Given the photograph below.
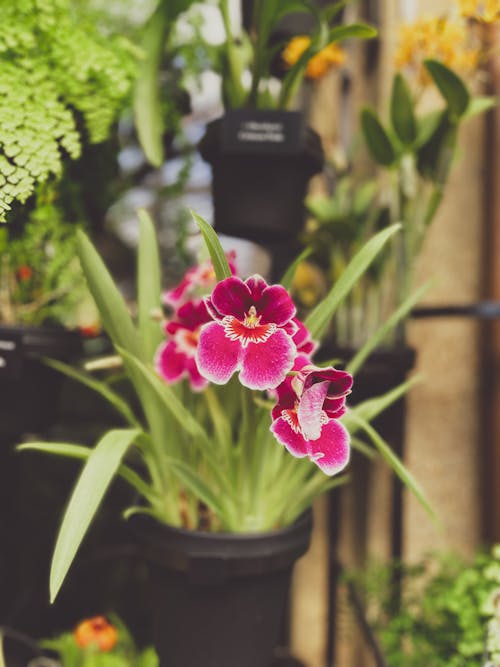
(96, 631)
(331, 56)
(486, 11)
(24, 272)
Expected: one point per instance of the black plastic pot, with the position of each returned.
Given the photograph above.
(261, 165)
(30, 389)
(219, 598)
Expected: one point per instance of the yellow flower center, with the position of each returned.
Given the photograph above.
(252, 320)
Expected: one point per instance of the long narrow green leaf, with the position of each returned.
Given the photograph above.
(379, 335)
(358, 30)
(114, 399)
(372, 407)
(197, 486)
(217, 254)
(165, 394)
(82, 453)
(95, 479)
(317, 321)
(147, 106)
(110, 303)
(396, 464)
(148, 287)
(289, 274)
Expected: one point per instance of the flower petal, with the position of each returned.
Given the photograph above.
(169, 362)
(276, 305)
(265, 365)
(286, 436)
(330, 452)
(310, 410)
(231, 297)
(217, 356)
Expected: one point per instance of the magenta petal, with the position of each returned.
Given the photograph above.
(286, 436)
(265, 365)
(217, 357)
(330, 452)
(276, 305)
(170, 363)
(197, 381)
(231, 297)
(310, 410)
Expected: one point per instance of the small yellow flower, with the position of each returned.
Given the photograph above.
(331, 56)
(486, 11)
(437, 38)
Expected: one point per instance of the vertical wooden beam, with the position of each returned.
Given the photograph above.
(491, 334)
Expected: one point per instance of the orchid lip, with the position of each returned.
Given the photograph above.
(248, 331)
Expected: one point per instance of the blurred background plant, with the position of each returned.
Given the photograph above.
(411, 157)
(100, 642)
(63, 85)
(448, 614)
(262, 68)
(40, 278)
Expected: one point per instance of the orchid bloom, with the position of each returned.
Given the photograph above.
(305, 418)
(96, 631)
(198, 281)
(251, 332)
(175, 358)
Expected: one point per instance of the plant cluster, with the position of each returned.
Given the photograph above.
(255, 52)
(100, 642)
(62, 83)
(413, 153)
(448, 614)
(41, 281)
(233, 381)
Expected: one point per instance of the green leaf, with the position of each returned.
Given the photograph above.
(478, 105)
(114, 399)
(148, 287)
(372, 407)
(110, 303)
(450, 85)
(147, 105)
(377, 140)
(164, 393)
(379, 335)
(358, 30)
(318, 320)
(96, 476)
(197, 486)
(82, 453)
(289, 274)
(402, 111)
(427, 125)
(217, 254)
(396, 464)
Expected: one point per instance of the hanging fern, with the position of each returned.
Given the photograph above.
(60, 81)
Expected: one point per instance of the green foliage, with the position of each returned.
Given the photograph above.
(448, 615)
(61, 83)
(40, 277)
(124, 654)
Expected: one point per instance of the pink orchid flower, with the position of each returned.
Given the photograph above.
(305, 418)
(198, 281)
(251, 333)
(176, 357)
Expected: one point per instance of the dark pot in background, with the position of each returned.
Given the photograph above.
(262, 162)
(218, 598)
(30, 389)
